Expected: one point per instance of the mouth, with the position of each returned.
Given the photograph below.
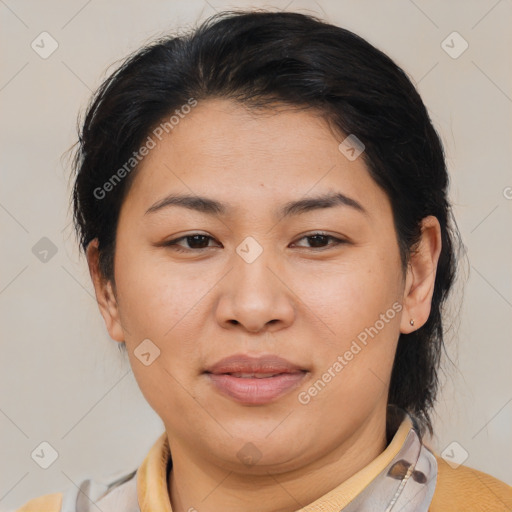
(255, 380)
(241, 375)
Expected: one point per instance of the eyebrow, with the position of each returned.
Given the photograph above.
(212, 207)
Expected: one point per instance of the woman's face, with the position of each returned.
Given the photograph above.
(258, 282)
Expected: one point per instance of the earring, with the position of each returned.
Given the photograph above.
(411, 322)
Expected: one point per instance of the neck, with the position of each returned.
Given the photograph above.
(197, 484)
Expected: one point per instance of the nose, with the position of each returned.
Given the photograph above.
(256, 297)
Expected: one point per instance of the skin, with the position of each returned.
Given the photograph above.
(303, 303)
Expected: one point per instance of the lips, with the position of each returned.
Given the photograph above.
(253, 375)
(244, 364)
(255, 380)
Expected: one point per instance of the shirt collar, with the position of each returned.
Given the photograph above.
(152, 475)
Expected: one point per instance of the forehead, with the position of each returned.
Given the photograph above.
(245, 157)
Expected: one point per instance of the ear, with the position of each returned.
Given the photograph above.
(105, 296)
(421, 275)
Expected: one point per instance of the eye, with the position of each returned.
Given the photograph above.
(319, 240)
(199, 242)
(196, 241)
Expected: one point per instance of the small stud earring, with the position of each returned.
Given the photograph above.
(411, 322)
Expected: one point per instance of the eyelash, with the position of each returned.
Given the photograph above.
(177, 248)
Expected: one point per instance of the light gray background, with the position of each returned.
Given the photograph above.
(63, 380)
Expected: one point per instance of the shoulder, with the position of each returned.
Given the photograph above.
(46, 503)
(111, 495)
(464, 488)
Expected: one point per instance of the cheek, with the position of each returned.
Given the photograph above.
(353, 296)
(155, 296)
(159, 304)
(360, 307)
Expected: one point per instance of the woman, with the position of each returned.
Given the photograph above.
(263, 206)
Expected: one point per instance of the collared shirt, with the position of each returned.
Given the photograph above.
(407, 476)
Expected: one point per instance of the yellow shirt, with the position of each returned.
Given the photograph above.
(462, 489)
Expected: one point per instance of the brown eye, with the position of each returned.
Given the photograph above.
(195, 241)
(320, 240)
